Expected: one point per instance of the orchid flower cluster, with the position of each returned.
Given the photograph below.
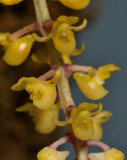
(50, 92)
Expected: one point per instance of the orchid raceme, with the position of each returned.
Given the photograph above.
(48, 153)
(62, 34)
(86, 124)
(77, 4)
(42, 118)
(111, 154)
(43, 93)
(91, 84)
(16, 50)
(51, 91)
(10, 2)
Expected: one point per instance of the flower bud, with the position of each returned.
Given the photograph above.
(52, 154)
(16, 52)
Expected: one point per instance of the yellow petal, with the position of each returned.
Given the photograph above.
(98, 132)
(69, 20)
(10, 2)
(26, 107)
(79, 28)
(102, 117)
(78, 51)
(108, 68)
(104, 72)
(30, 108)
(85, 107)
(75, 4)
(20, 85)
(52, 154)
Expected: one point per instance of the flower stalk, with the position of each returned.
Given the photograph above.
(27, 29)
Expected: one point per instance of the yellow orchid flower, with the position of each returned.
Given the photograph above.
(91, 84)
(42, 93)
(10, 2)
(16, 50)
(42, 118)
(86, 124)
(111, 154)
(75, 4)
(52, 154)
(62, 34)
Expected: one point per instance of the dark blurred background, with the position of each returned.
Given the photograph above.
(106, 39)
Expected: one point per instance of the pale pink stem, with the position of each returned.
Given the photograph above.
(27, 29)
(61, 141)
(76, 68)
(48, 74)
(102, 145)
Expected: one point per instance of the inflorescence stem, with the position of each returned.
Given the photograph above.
(66, 100)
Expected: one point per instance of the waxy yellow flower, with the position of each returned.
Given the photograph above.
(75, 4)
(85, 123)
(16, 50)
(43, 119)
(62, 34)
(111, 154)
(42, 93)
(91, 84)
(44, 122)
(48, 153)
(10, 2)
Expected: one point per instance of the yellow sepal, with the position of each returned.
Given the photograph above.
(16, 52)
(52, 154)
(75, 4)
(10, 2)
